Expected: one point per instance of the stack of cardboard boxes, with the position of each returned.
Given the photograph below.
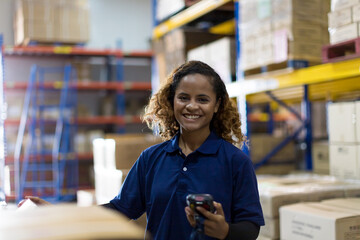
(171, 50)
(344, 139)
(276, 192)
(283, 162)
(220, 55)
(64, 21)
(344, 20)
(280, 30)
(330, 219)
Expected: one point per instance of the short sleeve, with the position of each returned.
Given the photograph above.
(131, 198)
(246, 202)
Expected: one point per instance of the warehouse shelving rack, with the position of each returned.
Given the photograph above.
(117, 86)
(322, 82)
(42, 177)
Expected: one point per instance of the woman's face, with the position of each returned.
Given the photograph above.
(195, 104)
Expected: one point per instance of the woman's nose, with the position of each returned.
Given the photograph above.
(191, 105)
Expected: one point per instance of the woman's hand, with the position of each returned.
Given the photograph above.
(214, 224)
(38, 201)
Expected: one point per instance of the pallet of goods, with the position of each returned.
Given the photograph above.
(51, 22)
(344, 31)
(282, 34)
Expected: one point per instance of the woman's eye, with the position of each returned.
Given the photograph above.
(182, 98)
(203, 100)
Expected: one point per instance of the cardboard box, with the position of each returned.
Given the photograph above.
(262, 144)
(51, 21)
(200, 53)
(345, 160)
(72, 21)
(319, 120)
(344, 33)
(276, 169)
(350, 203)
(341, 4)
(305, 50)
(271, 228)
(36, 30)
(356, 13)
(318, 221)
(223, 58)
(340, 17)
(279, 191)
(35, 10)
(262, 237)
(128, 147)
(320, 157)
(68, 222)
(342, 122)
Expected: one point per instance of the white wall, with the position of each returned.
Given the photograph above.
(6, 21)
(129, 21)
(111, 21)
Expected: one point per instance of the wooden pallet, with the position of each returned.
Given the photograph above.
(341, 51)
(285, 65)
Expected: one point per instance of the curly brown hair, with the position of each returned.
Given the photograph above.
(159, 113)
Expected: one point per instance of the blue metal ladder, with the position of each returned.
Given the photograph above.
(48, 173)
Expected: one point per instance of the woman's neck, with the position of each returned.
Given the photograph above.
(189, 142)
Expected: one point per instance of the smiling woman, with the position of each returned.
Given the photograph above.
(193, 113)
(196, 118)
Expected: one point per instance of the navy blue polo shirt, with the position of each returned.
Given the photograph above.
(162, 177)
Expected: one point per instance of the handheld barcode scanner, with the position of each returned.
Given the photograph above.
(200, 200)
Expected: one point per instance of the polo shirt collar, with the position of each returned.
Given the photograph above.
(210, 146)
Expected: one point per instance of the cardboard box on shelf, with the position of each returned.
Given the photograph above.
(37, 30)
(35, 10)
(72, 19)
(344, 33)
(310, 51)
(51, 21)
(345, 160)
(356, 13)
(276, 169)
(262, 144)
(341, 4)
(318, 221)
(340, 17)
(320, 157)
(341, 122)
(298, 29)
(223, 58)
(319, 120)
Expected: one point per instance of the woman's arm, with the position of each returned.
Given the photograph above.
(243, 231)
(109, 206)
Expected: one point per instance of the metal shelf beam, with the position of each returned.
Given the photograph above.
(186, 16)
(346, 72)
